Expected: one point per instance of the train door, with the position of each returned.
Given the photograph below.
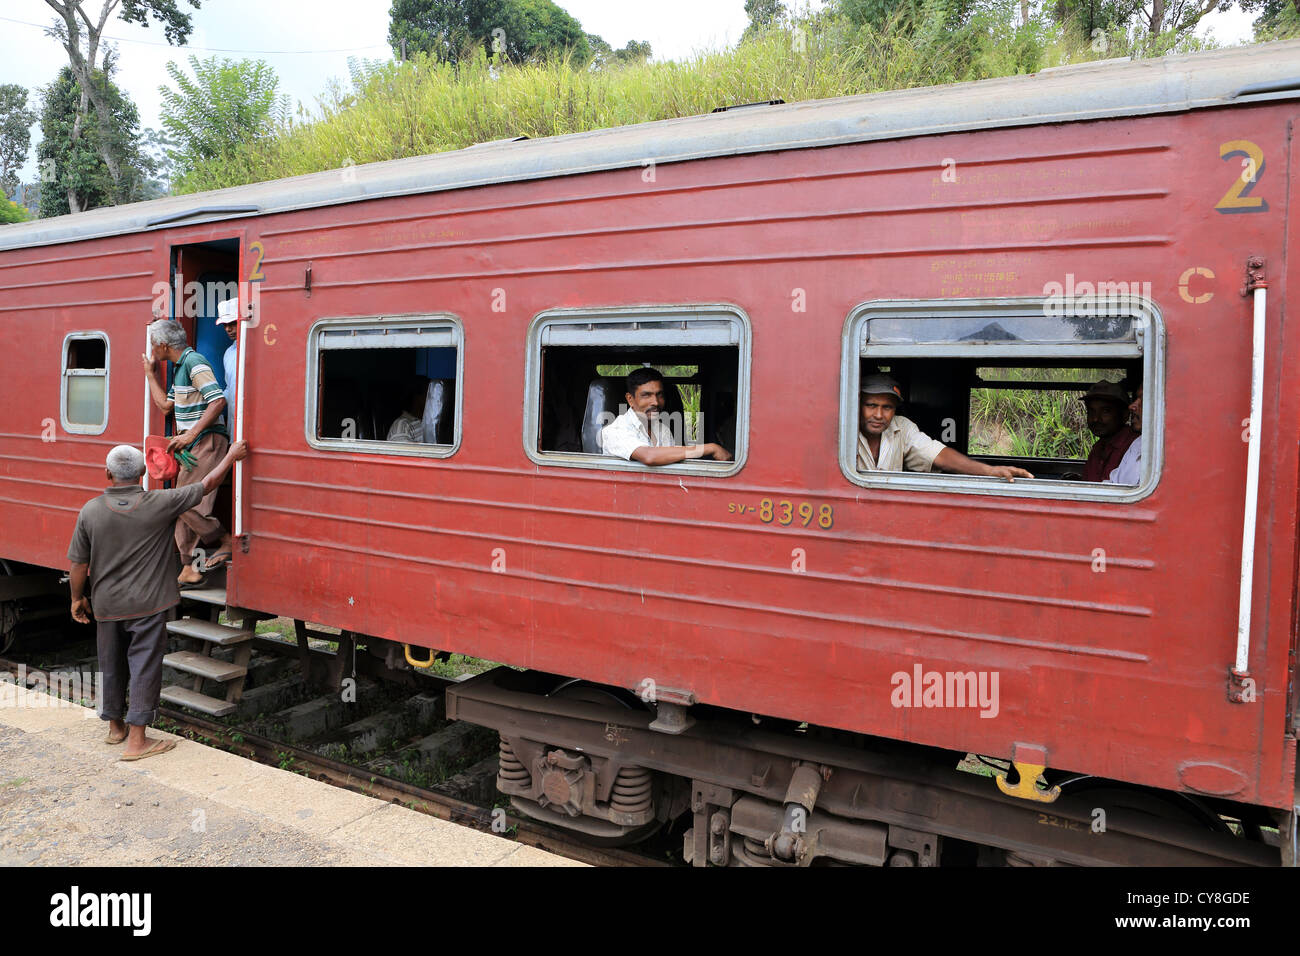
(202, 276)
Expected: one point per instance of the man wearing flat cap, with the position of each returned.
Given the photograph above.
(890, 442)
(1107, 405)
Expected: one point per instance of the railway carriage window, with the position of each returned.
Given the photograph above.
(84, 395)
(1003, 383)
(579, 360)
(385, 385)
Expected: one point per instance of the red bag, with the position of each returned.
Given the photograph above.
(158, 461)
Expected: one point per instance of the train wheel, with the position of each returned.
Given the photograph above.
(556, 785)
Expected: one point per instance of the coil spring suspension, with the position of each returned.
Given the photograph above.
(510, 768)
(632, 790)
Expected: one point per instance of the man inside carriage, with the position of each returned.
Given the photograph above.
(889, 442)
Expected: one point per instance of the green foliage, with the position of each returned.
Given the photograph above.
(763, 15)
(176, 24)
(1093, 19)
(431, 104)
(228, 103)
(15, 135)
(1277, 19)
(79, 165)
(1031, 423)
(10, 211)
(518, 30)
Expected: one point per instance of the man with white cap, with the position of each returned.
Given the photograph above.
(123, 545)
(228, 319)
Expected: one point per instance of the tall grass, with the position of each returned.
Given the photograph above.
(394, 110)
(1033, 423)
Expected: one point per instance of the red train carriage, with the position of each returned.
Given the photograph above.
(794, 651)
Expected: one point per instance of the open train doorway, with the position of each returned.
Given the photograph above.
(202, 276)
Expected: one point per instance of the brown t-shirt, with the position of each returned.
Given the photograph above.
(126, 536)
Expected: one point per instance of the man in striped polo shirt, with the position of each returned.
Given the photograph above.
(196, 401)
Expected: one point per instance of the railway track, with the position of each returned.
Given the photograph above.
(251, 745)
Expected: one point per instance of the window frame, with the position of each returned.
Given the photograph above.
(374, 446)
(1150, 333)
(65, 373)
(622, 315)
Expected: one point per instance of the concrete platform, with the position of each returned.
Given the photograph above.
(66, 800)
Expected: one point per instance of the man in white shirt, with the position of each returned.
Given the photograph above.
(890, 442)
(640, 435)
(1129, 471)
(228, 319)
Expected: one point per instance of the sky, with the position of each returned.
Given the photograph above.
(308, 42)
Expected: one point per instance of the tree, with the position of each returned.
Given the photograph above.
(1277, 19)
(15, 135)
(603, 55)
(1180, 17)
(763, 15)
(74, 174)
(86, 67)
(228, 103)
(519, 30)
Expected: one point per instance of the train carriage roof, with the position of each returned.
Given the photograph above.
(1086, 91)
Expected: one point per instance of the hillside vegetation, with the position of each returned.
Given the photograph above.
(397, 109)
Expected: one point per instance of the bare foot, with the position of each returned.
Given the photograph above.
(116, 732)
(189, 575)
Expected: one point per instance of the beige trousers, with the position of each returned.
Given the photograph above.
(197, 526)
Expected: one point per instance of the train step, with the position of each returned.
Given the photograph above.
(192, 662)
(215, 596)
(192, 699)
(220, 634)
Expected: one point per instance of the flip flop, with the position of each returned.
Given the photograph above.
(113, 741)
(161, 747)
(218, 560)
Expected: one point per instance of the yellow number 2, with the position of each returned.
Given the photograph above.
(258, 251)
(1238, 197)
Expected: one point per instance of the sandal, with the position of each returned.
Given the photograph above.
(161, 747)
(218, 560)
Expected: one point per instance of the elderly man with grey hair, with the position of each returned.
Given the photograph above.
(196, 401)
(123, 545)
